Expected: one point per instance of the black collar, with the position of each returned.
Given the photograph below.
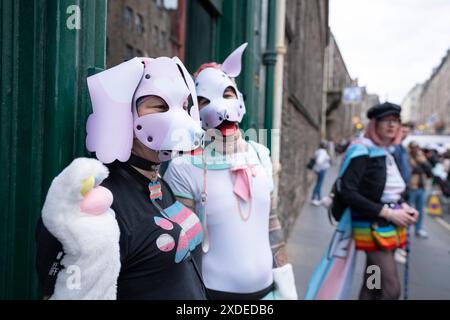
(142, 163)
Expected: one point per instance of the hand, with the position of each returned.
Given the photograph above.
(412, 211)
(401, 217)
(326, 202)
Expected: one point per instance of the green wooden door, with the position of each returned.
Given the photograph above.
(45, 58)
(214, 30)
(201, 29)
(253, 65)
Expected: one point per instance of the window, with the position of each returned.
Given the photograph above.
(162, 40)
(171, 4)
(156, 34)
(139, 24)
(128, 17)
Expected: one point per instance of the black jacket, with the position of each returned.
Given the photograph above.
(362, 187)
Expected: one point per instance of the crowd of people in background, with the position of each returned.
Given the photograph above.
(424, 168)
(388, 182)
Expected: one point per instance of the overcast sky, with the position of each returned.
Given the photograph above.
(390, 45)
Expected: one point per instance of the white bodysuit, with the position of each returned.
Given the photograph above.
(240, 258)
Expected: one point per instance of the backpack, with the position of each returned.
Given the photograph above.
(311, 163)
(444, 185)
(337, 207)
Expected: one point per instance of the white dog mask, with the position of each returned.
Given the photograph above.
(211, 84)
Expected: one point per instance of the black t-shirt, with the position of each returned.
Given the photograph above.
(159, 258)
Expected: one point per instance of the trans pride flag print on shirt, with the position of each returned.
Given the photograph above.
(190, 236)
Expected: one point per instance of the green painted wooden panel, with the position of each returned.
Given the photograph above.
(44, 106)
(201, 33)
(239, 22)
(216, 5)
(253, 64)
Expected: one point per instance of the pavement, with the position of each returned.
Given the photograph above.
(429, 273)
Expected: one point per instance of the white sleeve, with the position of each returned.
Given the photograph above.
(180, 180)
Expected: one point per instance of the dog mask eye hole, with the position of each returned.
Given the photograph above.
(230, 93)
(151, 104)
(202, 101)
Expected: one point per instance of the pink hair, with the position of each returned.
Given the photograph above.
(206, 65)
(371, 133)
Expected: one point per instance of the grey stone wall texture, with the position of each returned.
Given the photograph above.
(306, 40)
(158, 36)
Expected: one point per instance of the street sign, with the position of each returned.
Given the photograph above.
(352, 95)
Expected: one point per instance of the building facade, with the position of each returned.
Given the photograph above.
(434, 105)
(144, 28)
(411, 105)
(342, 119)
(306, 39)
(368, 100)
(338, 116)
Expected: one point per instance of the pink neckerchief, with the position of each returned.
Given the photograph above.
(243, 185)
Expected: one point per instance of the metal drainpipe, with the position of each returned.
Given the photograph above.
(270, 60)
(278, 95)
(327, 72)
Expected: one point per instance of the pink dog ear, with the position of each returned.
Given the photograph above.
(194, 112)
(233, 64)
(110, 126)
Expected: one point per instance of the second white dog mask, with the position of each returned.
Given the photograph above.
(211, 84)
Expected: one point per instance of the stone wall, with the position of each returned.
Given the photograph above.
(337, 77)
(140, 28)
(343, 120)
(306, 39)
